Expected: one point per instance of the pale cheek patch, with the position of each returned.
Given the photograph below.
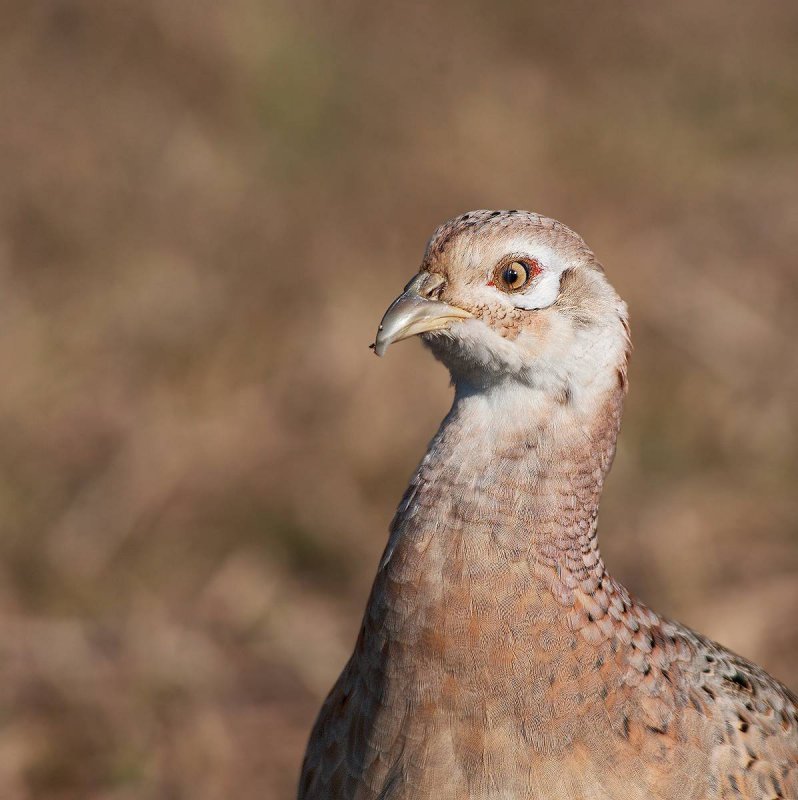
(535, 337)
(541, 294)
(486, 346)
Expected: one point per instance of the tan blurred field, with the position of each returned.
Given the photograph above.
(204, 210)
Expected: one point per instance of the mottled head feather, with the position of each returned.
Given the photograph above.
(566, 329)
(484, 222)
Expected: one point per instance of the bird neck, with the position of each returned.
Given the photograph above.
(492, 565)
(511, 480)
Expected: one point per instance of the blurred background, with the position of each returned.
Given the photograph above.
(204, 210)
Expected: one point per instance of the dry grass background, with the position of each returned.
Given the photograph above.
(205, 208)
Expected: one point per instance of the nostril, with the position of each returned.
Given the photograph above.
(433, 286)
(434, 293)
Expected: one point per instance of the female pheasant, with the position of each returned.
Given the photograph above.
(497, 657)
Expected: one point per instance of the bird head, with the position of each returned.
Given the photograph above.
(510, 296)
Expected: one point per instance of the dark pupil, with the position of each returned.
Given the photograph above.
(510, 275)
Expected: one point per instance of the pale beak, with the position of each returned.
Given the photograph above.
(414, 312)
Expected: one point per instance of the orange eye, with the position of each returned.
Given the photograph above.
(513, 276)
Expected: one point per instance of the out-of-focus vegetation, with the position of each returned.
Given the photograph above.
(205, 208)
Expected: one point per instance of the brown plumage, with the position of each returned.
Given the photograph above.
(497, 657)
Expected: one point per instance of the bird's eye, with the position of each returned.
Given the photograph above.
(514, 276)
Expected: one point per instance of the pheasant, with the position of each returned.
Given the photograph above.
(497, 657)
